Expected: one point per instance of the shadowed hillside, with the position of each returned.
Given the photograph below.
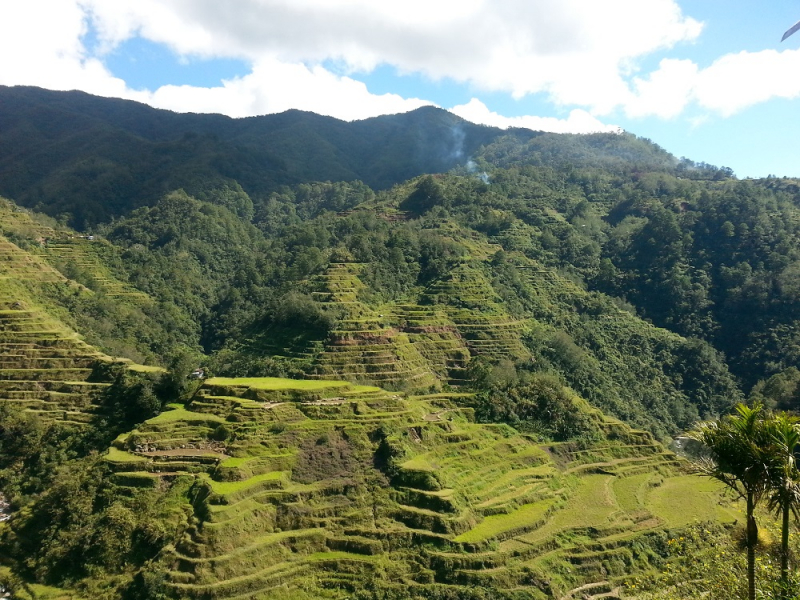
(96, 158)
(89, 159)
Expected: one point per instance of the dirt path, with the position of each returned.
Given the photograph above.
(584, 592)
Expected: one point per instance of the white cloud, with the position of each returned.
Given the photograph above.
(579, 121)
(577, 50)
(275, 86)
(666, 92)
(582, 53)
(729, 85)
(737, 81)
(47, 51)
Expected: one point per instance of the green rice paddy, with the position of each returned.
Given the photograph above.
(276, 383)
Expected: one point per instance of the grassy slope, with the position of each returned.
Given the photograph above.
(81, 282)
(44, 364)
(340, 488)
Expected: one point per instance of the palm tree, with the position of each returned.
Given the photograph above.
(738, 455)
(784, 496)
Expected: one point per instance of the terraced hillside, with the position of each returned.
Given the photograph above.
(81, 257)
(80, 280)
(467, 298)
(364, 345)
(415, 346)
(311, 489)
(475, 309)
(46, 366)
(501, 307)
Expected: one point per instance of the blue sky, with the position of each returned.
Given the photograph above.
(705, 79)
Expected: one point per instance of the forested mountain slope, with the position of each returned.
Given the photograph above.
(378, 296)
(88, 159)
(95, 158)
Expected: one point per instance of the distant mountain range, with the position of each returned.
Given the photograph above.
(95, 158)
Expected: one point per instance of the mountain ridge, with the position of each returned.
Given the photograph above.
(130, 141)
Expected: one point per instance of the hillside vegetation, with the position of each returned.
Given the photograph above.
(327, 489)
(443, 360)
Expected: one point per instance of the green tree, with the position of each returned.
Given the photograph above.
(176, 385)
(784, 497)
(739, 455)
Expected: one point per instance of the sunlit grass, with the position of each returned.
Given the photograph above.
(145, 368)
(630, 491)
(228, 487)
(181, 414)
(120, 456)
(686, 499)
(419, 463)
(280, 383)
(527, 515)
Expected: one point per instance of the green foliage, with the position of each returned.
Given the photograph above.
(706, 561)
(298, 311)
(780, 391)
(130, 398)
(31, 451)
(20, 435)
(177, 385)
(81, 524)
(536, 403)
(714, 261)
(427, 194)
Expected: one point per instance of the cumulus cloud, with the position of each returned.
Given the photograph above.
(737, 81)
(579, 121)
(664, 93)
(40, 41)
(582, 54)
(576, 50)
(275, 86)
(729, 85)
